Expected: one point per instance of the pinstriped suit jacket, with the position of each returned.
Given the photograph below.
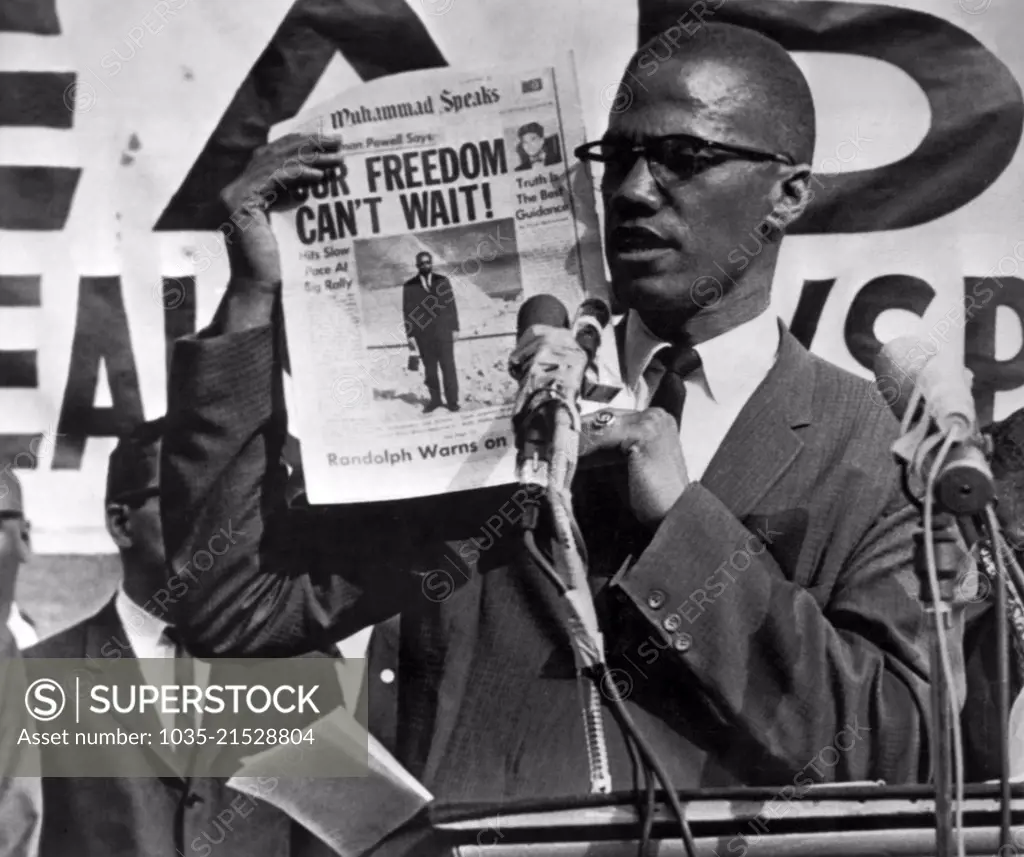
(769, 631)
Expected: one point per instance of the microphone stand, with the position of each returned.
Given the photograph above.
(545, 469)
(1002, 680)
(951, 505)
(1003, 707)
(947, 555)
(941, 448)
(940, 444)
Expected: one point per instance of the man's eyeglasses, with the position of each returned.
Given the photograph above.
(135, 499)
(671, 158)
(11, 515)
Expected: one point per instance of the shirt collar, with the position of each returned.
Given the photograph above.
(142, 624)
(727, 361)
(24, 634)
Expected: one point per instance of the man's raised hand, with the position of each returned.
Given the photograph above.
(273, 171)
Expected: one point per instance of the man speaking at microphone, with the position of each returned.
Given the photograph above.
(751, 550)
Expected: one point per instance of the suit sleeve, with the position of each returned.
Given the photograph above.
(252, 576)
(980, 718)
(796, 690)
(21, 797)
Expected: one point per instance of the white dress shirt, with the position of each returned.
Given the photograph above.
(24, 634)
(146, 637)
(354, 650)
(733, 365)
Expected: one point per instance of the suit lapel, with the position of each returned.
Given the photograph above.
(620, 344)
(103, 631)
(763, 443)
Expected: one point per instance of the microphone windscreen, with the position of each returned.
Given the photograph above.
(541, 309)
(589, 323)
(896, 368)
(906, 363)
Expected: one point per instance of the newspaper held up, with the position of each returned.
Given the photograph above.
(404, 270)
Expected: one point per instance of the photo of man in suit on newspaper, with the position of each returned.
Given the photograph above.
(440, 338)
(432, 333)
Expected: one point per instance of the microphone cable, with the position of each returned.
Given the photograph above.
(650, 767)
(551, 479)
(948, 439)
(642, 782)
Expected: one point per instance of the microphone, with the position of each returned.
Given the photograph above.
(904, 366)
(541, 424)
(591, 319)
(945, 386)
(539, 417)
(541, 309)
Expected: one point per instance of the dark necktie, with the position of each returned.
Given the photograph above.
(678, 362)
(184, 674)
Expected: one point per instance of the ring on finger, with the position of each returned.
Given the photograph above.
(603, 420)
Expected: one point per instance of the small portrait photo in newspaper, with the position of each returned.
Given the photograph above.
(534, 147)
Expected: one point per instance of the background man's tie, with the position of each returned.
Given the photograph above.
(184, 674)
(678, 363)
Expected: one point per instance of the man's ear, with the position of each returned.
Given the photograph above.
(119, 525)
(790, 197)
(25, 542)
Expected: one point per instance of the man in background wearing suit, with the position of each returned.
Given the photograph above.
(750, 546)
(13, 555)
(169, 813)
(979, 720)
(21, 796)
(431, 322)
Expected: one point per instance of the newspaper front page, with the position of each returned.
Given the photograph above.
(404, 271)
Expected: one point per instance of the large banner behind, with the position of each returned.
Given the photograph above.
(120, 120)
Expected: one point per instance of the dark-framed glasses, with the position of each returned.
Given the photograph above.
(11, 515)
(670, 158)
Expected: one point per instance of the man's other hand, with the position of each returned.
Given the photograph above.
(272, 173)
(648, 444)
